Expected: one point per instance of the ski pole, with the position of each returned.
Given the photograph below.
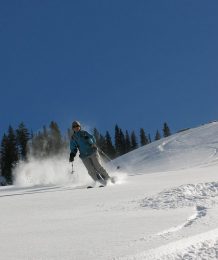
(105, 155)
(72, 172)
(109, 159)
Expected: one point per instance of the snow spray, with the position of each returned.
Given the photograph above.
(55, 170)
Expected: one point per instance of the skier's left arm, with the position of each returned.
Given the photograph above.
(73, 149)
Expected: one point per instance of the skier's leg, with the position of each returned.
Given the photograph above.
(98, 167)
(90, 168)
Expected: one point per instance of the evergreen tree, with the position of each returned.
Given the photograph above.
(97, 136)
(143, 137)
(12, 145)
(5, 170)
(102, 143)
(110, 150)
(134, 143)
(45, 132)
(118, 142)
(166, 130)
(48, 142)
(9, 154)
(41, 144)
(122, 143)
(23, 137)
(55, 138)
(157, 136)
(127, 141)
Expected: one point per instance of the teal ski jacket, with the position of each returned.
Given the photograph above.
(83, 141)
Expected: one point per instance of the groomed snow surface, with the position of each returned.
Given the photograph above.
(163, 206)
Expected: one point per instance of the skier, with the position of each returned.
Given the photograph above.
(86, 144)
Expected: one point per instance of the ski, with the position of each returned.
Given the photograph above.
(100, 186)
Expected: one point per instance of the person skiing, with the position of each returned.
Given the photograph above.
(86, 144)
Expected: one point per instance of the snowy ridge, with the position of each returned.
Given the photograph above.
(195, 147)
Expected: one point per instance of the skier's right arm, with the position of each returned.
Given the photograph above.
(73, 149)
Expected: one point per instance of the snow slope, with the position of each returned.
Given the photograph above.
(164, 205)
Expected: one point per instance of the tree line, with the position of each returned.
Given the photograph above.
(18, 144)
(125, 142)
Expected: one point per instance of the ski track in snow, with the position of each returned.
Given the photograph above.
(202, 196)
(203, 246)
(200, 212)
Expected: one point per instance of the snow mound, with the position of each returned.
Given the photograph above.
(183, 196)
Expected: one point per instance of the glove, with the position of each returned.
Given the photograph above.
(72, 155)
(94, 146)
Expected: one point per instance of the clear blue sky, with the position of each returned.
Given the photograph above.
(135, 63)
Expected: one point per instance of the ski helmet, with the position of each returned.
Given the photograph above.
(75, 124)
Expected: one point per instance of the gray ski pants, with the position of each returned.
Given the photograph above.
(95, 169)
